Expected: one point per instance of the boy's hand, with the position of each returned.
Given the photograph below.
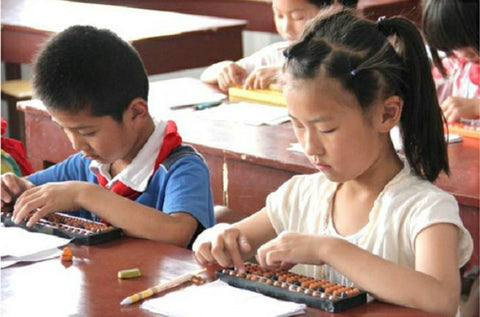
(262, 78)
(12, 187)
(455, 108)
(231, 75)
(39, 201)
(222, 244)
(288, 249)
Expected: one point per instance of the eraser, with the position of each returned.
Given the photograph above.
(67, 255)
(130, 273)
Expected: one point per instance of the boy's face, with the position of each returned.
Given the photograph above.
(99, 138)
(291, 16)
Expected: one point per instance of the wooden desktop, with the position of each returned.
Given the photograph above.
(89, 285)
(166, 41)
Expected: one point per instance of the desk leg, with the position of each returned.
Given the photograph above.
(215, 165)
(13, 71)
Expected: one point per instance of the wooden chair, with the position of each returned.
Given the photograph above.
(12, 92)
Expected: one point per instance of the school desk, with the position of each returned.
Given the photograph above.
(247, 162)
(166, 41)
(259, 13)
(89, 285)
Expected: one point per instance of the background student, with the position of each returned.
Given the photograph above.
(131, 171)
(451, 26)
(262, 68)
(368, 209)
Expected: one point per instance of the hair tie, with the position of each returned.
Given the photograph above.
(386, 30)
(380, 19)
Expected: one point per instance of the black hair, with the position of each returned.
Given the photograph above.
(358, 53)
(327, 3)
(449, 25)
(85, 68)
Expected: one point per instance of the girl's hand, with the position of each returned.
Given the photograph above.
(40, 201)
(231, 75)
(455, 108)
(262, 78)
(288, 249)
(221, 244)
(12, 187)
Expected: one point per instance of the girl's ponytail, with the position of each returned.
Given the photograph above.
(422, 119)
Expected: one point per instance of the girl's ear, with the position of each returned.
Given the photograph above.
(391, 113)
(137, 109)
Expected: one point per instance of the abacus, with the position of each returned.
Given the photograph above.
(331, 297)
(466, 130)
(79, 229)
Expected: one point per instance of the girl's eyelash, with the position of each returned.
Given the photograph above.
(328, 131)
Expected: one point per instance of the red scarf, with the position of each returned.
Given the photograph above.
(171, 140)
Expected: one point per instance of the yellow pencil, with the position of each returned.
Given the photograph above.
(161, 287)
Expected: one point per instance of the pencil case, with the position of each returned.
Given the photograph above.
(62, 225)
(325, 295)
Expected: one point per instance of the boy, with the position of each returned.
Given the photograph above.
(131, 171)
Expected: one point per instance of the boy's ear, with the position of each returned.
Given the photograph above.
(138, 108)
(391, 113)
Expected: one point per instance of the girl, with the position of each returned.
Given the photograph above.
(451, 26)
(263, 67)
(347, 83)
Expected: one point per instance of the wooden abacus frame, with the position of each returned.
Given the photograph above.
(331, 297)
(79, 229)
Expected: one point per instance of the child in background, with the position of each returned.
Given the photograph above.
(451, 26)
(262, 68)
(369, 209)
(131, 171)
(14, 159)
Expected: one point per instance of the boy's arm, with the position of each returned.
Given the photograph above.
(136, 219)
(187, 203)
(180, 198)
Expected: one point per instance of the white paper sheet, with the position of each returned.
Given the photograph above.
(218, 299)
(18, 244)
(39, 256)
(176, 92)
(246, 112)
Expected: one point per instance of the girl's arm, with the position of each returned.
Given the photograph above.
(433, 286)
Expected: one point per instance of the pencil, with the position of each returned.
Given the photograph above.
(160, 287)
